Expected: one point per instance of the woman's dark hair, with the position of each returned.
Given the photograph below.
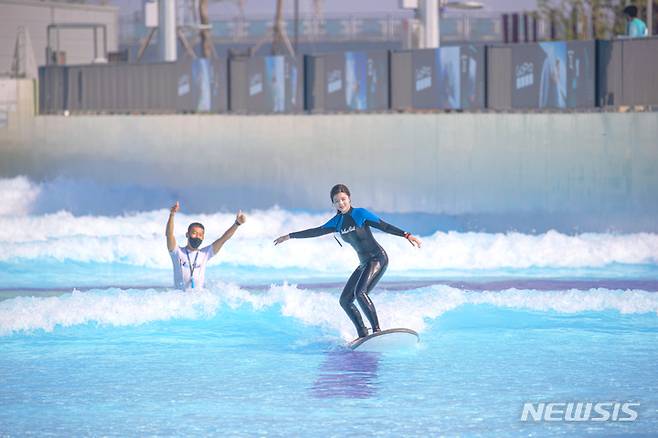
(631, 11)
(339, 188)
(195, 224)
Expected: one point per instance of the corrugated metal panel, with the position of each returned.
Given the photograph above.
(609, 73)
(581, 74)
(270, 84)
(517, 76)
(315, 79)
(349, 81)
(401, 80)
(499, 77)
(52, 89)
(238, 88)
(639, 61)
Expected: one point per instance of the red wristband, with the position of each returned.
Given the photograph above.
(406, 235)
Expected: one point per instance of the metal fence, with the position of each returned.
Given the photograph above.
(626, 72)
(454, 28)
(450, 78)
(198, 85)
(349, 81)
(556, 74)
(550, 75)
(270, 84)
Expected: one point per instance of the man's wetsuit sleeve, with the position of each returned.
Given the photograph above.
(386, 227)
(311, 232)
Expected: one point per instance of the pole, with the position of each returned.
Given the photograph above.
(296, 26)
(167, 30)
(428, 11)
(95, 43)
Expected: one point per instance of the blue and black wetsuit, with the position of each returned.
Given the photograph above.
(354, 228)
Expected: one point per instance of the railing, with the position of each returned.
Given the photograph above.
(454, 28)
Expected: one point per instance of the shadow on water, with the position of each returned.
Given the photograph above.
(347, 374)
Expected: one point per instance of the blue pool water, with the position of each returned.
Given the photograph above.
(93, 342)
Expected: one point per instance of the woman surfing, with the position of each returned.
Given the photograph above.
(354, 224)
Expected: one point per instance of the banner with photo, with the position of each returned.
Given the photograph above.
(448, 77)
(556, 74)
(202, 85)
(274, 84)
(581, 74)
(356, 81)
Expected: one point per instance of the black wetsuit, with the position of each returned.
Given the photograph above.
(354, 228)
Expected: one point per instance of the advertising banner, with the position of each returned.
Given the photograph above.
(201, 86)
(274, 85)
(448, 78)
(556, 74)
(356, 81)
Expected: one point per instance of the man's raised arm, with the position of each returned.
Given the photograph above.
(171, 239)
(240, 218)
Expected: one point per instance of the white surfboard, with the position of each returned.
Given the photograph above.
(387, 340)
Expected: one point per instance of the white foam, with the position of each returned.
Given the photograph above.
(115, 307)
(112, 307)
(17, 196)
(454, 250)
(138, 239)
(570, 301)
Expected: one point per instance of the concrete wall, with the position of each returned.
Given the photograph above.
(17, 109)
(596, 166)
(37, 15)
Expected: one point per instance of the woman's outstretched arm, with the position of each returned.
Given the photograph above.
(392, 229)
(311, 232)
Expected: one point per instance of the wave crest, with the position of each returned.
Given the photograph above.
(138, 239)
(116, 307)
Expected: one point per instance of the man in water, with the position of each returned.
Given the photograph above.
(189, 261)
